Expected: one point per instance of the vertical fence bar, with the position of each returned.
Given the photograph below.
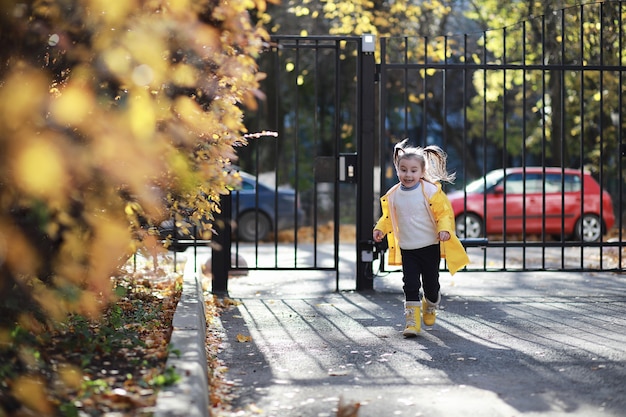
(382, 125)
(620, 118)
(464, 151)
(405, 95)
(484, 130)
(221, 252)
(425, 92)
(543, 117)
(601, 128)
(365, 165)
(581, 59)
(278, 123)
(296, 138)
(563, 104)
(444, 93)
(316, 143)
(524, 106)
(505, 153)
(337, 145)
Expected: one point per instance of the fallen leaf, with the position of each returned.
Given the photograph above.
(243, 339)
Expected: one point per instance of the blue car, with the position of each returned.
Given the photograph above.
(257, 210)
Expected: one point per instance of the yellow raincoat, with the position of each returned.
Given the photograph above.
(441, 215)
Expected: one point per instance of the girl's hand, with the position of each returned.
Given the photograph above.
(378, 236)
(443, 236)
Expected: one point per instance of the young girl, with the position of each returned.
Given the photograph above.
(419, 223)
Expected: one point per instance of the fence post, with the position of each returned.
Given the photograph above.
(220, 247)
(365, 170)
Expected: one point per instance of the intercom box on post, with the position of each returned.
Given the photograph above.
(348, 167)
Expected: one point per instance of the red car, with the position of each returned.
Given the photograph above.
(513, 203)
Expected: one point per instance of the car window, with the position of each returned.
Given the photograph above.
(515, 183)
(572, 183)
(534, 183)
(553, 183)
(247, 185)
(491, 179)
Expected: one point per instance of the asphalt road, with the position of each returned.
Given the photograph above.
(505, 344)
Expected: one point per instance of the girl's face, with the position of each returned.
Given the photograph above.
(409, 171)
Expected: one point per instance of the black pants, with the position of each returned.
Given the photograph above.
(424, 263)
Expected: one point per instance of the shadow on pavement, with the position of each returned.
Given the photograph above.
(541, 350)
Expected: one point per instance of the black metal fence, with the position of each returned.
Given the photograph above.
(544, 96)
(309, 117)
(547, 93)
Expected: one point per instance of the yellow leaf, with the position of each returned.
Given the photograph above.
(72, 106)
(70, 375)
(19, 95)
(243, 339)
(31, 392)
(111, 11)
(185, 75)
(141, 116)
(179, 6)
(597, 96)
(117, 60)
(40, 169)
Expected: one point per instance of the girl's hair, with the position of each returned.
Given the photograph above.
(432, 158)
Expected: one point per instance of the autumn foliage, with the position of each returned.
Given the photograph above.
(114, 115)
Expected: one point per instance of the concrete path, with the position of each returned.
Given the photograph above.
(505, 344)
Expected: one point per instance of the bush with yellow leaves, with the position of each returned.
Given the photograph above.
(114, 115)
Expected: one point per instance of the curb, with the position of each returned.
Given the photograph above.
(189, 396)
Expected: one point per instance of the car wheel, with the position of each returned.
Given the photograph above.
(468, 226)
(588, 228)
(253, 226)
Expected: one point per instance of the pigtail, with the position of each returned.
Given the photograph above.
(398, 151)
(435, 169)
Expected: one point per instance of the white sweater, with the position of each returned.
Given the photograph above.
(415, 226)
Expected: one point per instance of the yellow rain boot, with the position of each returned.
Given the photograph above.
(413, 319)
(430, 309)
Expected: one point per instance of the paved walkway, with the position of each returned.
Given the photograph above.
(505, 344)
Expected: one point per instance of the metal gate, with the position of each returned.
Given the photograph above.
(298, 204)
(545, 93)
(322, 141)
